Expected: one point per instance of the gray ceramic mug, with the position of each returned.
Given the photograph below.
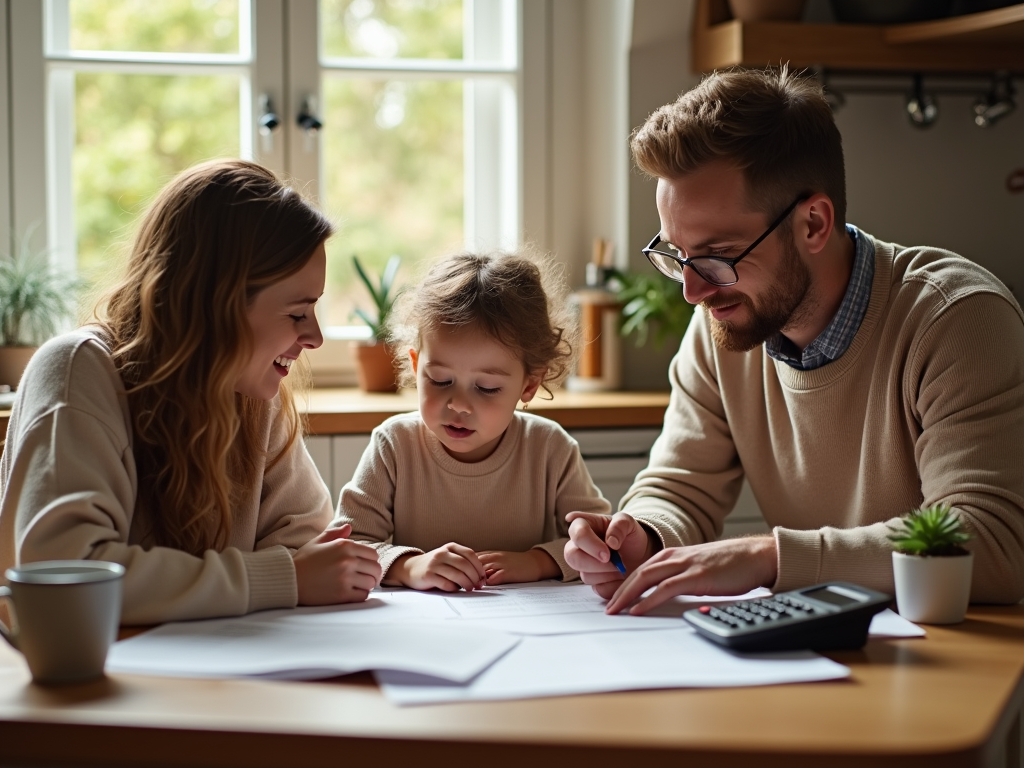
(64, 616)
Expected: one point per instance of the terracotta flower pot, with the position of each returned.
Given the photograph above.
(932, 590)
(375, 365)
(12, 364)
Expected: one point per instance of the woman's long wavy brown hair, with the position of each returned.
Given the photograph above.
(179, 334)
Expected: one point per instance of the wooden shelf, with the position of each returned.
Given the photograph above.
(348, 411)
(979, 42)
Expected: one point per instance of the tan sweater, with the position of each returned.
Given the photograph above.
(409, 496)
(926, 406)
(68, 484)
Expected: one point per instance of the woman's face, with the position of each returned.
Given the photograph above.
(283, 324)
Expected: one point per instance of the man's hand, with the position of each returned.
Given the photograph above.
(449, 568)
(332, 569)
(518, 567)
(729, 567)
(591, 535)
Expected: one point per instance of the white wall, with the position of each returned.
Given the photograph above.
(589, 125)
(659, 71)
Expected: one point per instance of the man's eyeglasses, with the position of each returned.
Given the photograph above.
(717, 270)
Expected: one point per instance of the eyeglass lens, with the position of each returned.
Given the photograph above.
(714, 271)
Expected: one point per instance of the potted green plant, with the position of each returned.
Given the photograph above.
(35, 301)
(931, 567)
(375, 363)
(650, 302)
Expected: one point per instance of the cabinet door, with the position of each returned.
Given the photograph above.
(346, 452)
(319, 447)
(615, 456)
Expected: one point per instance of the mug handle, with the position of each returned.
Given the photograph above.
(8, 634)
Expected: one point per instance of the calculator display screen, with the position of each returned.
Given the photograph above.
(826, 595)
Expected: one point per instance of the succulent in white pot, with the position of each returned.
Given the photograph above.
(931, 567)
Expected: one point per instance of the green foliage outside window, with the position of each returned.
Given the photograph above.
(409, 29)
(392, 151)
(133, 133)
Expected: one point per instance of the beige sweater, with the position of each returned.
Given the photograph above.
(926, 406)
(68, 485)
(409, 496)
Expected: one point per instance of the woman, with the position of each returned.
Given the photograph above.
(165, 437)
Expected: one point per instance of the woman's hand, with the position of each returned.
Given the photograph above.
(332, 569)
(447, 568)
(518, 567)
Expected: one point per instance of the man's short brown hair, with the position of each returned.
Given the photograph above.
(776, 126)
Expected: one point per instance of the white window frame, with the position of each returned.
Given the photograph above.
(37, 165)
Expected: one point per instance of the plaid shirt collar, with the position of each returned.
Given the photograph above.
(839, 334)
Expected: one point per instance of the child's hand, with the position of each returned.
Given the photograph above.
(332, 569)
(517, 567)
(446, 568)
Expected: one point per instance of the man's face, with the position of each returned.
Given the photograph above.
(707, 213)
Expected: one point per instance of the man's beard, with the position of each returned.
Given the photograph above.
(778, 306)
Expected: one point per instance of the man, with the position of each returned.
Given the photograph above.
(848, 379)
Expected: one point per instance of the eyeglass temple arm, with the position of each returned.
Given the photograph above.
(775, 224)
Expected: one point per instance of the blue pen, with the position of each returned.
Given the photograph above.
(617, 561)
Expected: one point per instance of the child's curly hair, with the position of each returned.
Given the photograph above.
(520, 299)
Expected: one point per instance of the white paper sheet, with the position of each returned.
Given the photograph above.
(546, 608)
(561, 665)
(260, 645)
(890, 624)
(457, 636)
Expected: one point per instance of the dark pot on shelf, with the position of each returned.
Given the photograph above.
(889, 11)
(767, 10)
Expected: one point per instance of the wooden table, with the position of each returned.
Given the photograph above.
(951, 699)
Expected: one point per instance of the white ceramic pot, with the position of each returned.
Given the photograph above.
(932, 590)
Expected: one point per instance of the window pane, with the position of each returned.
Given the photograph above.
(393, 165)
(132, 134)
(166, 26)
(389, 29)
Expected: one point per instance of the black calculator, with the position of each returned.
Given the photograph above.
(833, 616)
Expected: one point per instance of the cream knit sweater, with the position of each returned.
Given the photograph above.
(926, 406)
(68, 484)
(409, 496)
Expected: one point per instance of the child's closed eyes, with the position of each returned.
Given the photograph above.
(479, 388)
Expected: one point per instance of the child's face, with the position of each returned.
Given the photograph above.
(469, 385)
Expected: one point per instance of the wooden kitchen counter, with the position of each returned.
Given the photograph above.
(353, 412)
(350, 411)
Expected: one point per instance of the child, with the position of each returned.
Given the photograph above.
(469, 492)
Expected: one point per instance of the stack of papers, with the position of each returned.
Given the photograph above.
(547, 639)
(254, 646)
